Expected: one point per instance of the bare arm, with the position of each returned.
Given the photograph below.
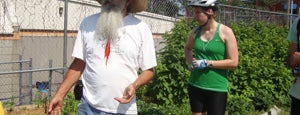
(232, 58)
(145, 77)
(71, 77)
(293, 56)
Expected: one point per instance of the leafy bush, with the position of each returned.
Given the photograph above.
(40, 99)
(262, 75)
(70, 104)
(261, 80)
(9, 105)
(170, 83)
(238, 105)
(145, 108)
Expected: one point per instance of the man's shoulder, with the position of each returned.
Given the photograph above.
(131, 19)
(89, 22)
(92, 17)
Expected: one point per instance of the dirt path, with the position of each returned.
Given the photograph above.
(27, 110)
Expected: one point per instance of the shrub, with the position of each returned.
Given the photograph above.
(261, 80)
(70, 104)
(262, 75)
(170, 83)
(9, 105)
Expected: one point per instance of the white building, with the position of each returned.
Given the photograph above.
(48, 15)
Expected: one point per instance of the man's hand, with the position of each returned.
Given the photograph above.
(128, 95)
(199, 64)
(54, 107)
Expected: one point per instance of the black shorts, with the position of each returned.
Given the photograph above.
(295, 105)
(212, 102)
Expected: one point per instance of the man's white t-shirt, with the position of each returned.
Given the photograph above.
(102, 83)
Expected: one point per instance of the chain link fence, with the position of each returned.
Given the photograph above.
(15, 86)
(32, 37)
(228, 14)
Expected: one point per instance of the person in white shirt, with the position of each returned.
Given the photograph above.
(110, 48)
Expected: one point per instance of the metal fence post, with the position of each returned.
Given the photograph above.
(30, 80)
(291, 12)
(65, 37)
(20, 79)
(50, 80)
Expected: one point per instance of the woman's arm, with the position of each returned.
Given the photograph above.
(232, 58)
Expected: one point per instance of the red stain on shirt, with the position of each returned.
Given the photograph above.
(107, 50)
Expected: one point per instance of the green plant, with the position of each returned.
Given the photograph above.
(41, 99)
(261, 80)
(145, 108)
(70, 105)
(38, 99)
(9, 105)
(262, 75)
(170, 83)
(238, 105)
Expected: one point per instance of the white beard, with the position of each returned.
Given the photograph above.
(109, 22)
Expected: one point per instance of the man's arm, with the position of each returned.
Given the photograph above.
(71, 77)
(293, 56)
(144, 78)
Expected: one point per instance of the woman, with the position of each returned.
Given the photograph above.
(215, 51)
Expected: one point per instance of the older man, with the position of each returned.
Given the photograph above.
(110, 48)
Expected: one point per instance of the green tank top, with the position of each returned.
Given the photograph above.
(210, 78)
